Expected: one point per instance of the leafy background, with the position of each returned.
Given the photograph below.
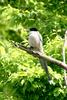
(21, 75)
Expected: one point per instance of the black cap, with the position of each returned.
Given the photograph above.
(33, 29)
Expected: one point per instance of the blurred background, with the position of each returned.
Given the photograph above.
(21, 75)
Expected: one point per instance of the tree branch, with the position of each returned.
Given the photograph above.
(40, 55)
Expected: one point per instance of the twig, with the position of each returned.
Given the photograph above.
(64, 58)
(40, 55)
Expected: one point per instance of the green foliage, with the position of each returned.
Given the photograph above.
(21, 75)
(56, 43)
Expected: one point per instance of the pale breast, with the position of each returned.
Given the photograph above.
(34, 40)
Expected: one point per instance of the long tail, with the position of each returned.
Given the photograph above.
(45, 67)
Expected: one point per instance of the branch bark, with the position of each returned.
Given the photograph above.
(40, 55)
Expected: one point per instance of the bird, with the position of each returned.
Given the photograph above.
(36, 42)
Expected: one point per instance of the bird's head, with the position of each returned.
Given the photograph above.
(33, 29)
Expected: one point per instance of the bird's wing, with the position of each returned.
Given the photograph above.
(40, 37)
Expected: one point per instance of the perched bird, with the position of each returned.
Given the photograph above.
(36, 42)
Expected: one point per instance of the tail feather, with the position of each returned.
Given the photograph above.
(45, 67)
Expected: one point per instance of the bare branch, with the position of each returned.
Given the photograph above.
(40, 55)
